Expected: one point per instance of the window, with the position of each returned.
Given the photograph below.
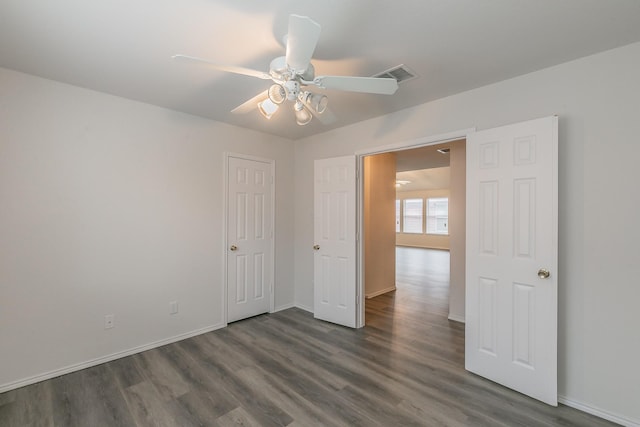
(438, 216)
(397, 216)
(412, 218)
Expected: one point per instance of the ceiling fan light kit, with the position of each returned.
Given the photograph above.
(277, 94)
(267, 108)
(303, 115)
(293, 73)
(315, 101)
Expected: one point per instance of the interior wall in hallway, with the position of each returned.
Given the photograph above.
(379, 223)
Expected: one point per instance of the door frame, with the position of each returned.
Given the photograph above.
(360, 155)
(225, 224)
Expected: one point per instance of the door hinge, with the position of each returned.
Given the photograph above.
(271, 179)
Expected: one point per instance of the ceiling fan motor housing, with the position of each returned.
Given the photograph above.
(278, 68)
(292, 87)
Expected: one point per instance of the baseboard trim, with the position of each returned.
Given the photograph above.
(284, 307)
(456, 318)
(589, 409)
(423, 247)
(93, 362)
(380, 292)
(303, 307)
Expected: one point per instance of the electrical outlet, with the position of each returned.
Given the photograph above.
(173, 307)
(109, 321)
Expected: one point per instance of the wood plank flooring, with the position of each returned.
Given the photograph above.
(404, 368)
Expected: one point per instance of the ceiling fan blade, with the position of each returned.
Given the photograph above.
(326, 118)
(302, 39)
(227, 68)
(383, 86)
(249, 105)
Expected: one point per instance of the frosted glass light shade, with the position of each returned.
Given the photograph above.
(303, 116)
(316, 102)
(267, 108)
(277, 94)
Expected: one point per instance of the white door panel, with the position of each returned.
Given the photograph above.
(335, 240)
(249, 238)
(511, 313)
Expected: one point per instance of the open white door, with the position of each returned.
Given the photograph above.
(335, 240)
(511, 249)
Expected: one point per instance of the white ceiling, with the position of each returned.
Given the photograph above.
(425, 179)
(425, 168)
(421, 158)
(123, 47)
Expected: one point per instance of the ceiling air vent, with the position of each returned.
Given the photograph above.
(401, 73)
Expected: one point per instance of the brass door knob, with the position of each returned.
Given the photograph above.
(543, 273)
(233, 248)
(316, 247)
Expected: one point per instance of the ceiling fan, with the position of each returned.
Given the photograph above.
(293, 75)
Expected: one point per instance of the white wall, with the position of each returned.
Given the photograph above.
(596, 99)
(422, 240)
(379, 234)
(457, 228)
(113, 206)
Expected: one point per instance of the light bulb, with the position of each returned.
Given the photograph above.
(303, 116)
(277, 94)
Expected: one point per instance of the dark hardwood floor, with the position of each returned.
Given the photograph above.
(406, 367)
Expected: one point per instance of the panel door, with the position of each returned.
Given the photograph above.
(249, 238)
(335, 240)
(511, 249)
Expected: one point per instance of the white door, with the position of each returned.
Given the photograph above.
(249, 237)
(335, 240)
(511, 249)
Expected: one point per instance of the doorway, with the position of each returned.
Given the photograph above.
(433, 172)
(511, 254)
